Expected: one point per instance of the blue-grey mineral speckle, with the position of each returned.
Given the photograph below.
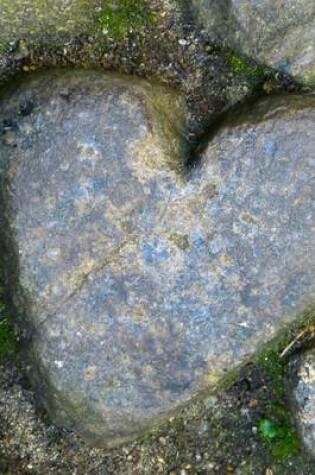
(137, 283)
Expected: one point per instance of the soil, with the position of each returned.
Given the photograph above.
(220, 434)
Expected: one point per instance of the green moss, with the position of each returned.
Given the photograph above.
(119, 17)
(268, 429)
(286, 446)
(7, 336)
(270, 360)
(271, 364)
(178, 424)
(276, 427)
(229, 379)
(3, 46)
(277, 431)
(146, 439)
(253, 72)
(8, 340)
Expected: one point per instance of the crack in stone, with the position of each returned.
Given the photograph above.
(97, 267)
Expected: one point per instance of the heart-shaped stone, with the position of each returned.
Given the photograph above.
(138, 283)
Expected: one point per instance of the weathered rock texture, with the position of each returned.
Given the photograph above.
(301, 384)
(276, 32)
(20, 18)
(140, 283)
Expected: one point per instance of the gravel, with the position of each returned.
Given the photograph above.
(218, 434)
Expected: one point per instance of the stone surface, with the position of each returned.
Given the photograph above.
(150, 39)
(301, 384)
(21, 18)
(138, 282)
(276, 32)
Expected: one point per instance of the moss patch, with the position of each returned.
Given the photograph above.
(253, 72)
(275, 427)
(3, 46)
(8, 340)
(120, 17)
(277, 431)
(273, 358)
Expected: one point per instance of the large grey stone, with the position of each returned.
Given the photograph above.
(301, 391)
(138, 283)
(276, 32)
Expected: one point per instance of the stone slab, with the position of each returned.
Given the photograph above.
(136, 282)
